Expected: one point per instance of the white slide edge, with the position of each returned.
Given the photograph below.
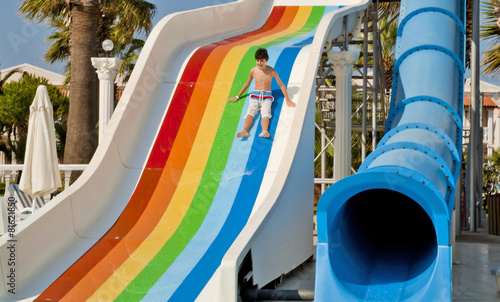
(223, 286)
(57, 235)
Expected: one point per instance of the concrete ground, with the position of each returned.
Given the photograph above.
(475, 255)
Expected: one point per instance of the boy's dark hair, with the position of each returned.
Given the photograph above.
(261, 53)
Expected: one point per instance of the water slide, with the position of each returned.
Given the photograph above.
(172, 203)
(384, 233)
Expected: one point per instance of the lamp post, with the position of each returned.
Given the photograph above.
(107, 69)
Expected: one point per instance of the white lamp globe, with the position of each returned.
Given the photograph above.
(107, 45)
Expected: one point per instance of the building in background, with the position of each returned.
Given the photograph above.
(490, 115)
(53, 78)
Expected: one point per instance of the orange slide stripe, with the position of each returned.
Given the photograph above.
(139, 202)
(166, 191)
(140, 198)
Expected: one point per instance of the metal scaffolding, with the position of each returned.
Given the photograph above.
(369, 97)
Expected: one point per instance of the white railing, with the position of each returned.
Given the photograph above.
(10, 170)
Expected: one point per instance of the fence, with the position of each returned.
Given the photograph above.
(493, 214)
(10, 171)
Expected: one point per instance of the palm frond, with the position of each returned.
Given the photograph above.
(388, 36)
(491, 60)
(489, 26)
(388, 9)
(41, 10)
(4, 79)
(130, 57)
(490, 30)
(59, 42)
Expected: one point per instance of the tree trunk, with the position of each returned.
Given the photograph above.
(389, 69)
(81, 139)
(497, 13)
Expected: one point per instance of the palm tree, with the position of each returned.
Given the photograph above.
(15, 102)
(80, 26)
(4, 80)
(388, 8)
(119, 22)
(388, 34)
(490, 30)
(81, 139)
(5, 140)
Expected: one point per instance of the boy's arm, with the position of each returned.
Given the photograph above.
(283, 89)
(245, 87)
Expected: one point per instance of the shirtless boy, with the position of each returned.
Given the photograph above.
(261, 98)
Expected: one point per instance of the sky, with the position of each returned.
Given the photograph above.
(24, 42)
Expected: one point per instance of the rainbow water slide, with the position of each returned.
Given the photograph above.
(170, 188)
(384, 233)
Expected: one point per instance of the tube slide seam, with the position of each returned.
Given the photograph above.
(430, 9)
(427, 47)
(425, 98)
(445, 170)
(458, 22)
(448, 142)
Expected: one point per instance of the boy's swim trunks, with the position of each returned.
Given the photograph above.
(260, 99)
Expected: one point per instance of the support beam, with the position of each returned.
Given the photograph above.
(474, 143)
(375, 74)
(365, 86)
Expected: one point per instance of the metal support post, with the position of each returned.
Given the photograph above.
(375, 74)
(323, 162)
(365, 86)
(474, 143)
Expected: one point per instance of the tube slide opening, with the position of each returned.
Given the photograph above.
(382, 237)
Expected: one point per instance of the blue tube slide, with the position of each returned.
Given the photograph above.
(383, 234)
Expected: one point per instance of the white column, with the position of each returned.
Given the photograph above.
(342, 62)
(107, 69)
(67, 178)
(8, 178)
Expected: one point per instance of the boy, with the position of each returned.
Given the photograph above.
(261, 98)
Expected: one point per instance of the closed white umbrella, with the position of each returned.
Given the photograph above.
(41, 172)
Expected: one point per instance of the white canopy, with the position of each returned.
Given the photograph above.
(40, 173)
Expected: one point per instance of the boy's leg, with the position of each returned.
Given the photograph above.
(253, 108)
(266, 115)
(265, 126)
(246, 126)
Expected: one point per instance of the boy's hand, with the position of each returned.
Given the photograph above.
(290, 103)
(233, 99)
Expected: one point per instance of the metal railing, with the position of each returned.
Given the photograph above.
(10, 170)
